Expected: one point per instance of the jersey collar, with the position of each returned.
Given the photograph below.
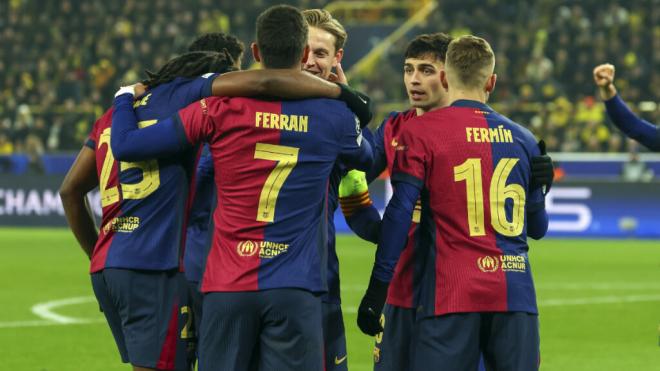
(471, 104)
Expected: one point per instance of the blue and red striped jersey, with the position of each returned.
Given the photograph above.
(405, 285)
(272, 161)
(144, 212)
(198, 234)
(473, 165)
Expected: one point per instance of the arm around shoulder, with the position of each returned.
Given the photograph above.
(130, 143)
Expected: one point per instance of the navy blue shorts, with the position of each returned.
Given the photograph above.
(508, 342)
(148, 315)
(334, 338)
(394, 345)
(277, 329)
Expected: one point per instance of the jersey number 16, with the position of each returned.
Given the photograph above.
(470, 172)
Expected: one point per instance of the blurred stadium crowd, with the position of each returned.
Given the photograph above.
(60, 62)
(545, 54)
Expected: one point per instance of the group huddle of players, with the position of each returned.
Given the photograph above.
(218, 190)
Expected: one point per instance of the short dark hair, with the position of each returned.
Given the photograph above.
(215, 42)
(192, 64)
(434, 44)
(281, 36)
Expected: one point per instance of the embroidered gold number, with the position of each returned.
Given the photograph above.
(470, 172)
(286, 158)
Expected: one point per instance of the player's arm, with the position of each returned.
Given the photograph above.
(380, 158)
(634, 127)
(543, 172)
(355, 151)
(130, 143)
(537, 223)
(356, 205)
(285, 83)
(81, 179)
(361, 216)
(408, 177)
(536, 216)
(393, 236)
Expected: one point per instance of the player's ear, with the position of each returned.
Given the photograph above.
(490, 84)
(305, 54)
(443, 79)
(338, 56)
(255, 52)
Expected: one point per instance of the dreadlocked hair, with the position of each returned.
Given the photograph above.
(189, 65)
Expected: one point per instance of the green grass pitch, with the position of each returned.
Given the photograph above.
(599, 303)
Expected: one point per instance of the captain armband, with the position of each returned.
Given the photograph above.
(354, 192)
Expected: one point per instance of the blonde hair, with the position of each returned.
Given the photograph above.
(471, 60)
(323, 20)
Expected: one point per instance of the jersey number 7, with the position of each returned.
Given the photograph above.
(470, 172)
(286, 158)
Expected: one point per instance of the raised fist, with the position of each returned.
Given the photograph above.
(604, 79)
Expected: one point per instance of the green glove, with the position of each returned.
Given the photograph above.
(353, 184)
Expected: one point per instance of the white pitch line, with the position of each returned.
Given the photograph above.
(42, 323)
(44, 310)
(50, 318)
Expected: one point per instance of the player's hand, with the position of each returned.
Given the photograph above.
(543, 172)
(354, 183)
(139, 89)
(358, 102)
(339, 76)
(371, 306)
(604, 79)
(130, 89)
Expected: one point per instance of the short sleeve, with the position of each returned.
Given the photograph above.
(90, 142)
(195, 122)
(409, 159)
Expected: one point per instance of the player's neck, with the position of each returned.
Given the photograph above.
(459, 94)
(422, 110)
(441, 103)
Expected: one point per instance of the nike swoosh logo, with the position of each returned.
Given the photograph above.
(340, 360)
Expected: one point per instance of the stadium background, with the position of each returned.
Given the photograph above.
(61, 61)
